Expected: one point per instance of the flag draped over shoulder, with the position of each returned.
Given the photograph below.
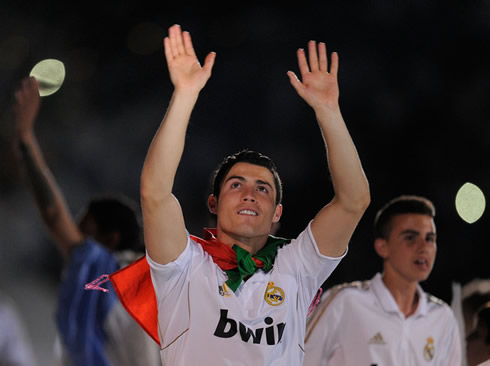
(135, 291)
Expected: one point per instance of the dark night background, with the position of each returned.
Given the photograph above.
(414, 82)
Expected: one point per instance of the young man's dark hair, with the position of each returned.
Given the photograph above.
(117, 214)
(250, 157)
(405, 204)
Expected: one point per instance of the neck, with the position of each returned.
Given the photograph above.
(404, 292)
(250, 244)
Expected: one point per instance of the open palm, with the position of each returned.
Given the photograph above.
(185, 70)
(318, 87)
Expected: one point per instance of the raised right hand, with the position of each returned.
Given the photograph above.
(186, 72)
(26, 107)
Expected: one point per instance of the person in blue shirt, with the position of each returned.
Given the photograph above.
(94, 329)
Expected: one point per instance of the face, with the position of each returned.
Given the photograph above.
(410, 250)
(246, 207)
(88, 226)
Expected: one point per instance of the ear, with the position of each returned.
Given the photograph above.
(212, 204)
(277, 213)
(381, 247)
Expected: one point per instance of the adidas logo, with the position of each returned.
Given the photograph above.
(377, 339)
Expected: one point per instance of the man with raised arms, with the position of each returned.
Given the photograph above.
(240, 296)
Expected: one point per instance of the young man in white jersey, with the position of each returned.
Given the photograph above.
(214, 305)
(388, 320)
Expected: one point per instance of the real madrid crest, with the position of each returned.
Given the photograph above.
(274, 295)
(224, 290)
(429, 349)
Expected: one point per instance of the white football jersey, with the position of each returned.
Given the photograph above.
(203, 322)
(360, 324)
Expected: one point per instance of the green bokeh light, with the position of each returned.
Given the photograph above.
(470, 202)
(50, 74)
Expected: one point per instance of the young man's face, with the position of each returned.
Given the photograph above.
(410, 250)
(89, 228)
(246, 207)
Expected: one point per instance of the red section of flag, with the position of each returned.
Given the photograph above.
(134, 288)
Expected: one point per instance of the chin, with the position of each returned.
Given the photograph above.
(423, 277)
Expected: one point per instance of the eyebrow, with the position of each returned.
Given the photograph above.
(242, 179)
(410, 231)
(415, 232)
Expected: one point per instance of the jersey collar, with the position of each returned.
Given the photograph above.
(388, 303)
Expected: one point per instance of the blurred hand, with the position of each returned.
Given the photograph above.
(26, 107)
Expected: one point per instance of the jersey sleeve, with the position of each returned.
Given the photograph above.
(170, 276)
(171, 284)
(322, 330)
(303, 259)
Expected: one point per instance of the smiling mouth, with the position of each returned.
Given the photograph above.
(248, 213)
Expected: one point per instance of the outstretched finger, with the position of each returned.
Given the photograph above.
(189, 48)
(334, 67)
(313, 56)
(18, 97)
(168, 49)
(209, 62)
(302, 63)
(323, 61)
(175, 34)
(295, 82)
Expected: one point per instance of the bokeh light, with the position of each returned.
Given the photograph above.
(50, 74)
(470, 202)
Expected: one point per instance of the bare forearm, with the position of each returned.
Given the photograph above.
(348, 178)
(48, 196)
(44, 188)
(334, 224)
(40, 183)
(166, 149)
(164, 227)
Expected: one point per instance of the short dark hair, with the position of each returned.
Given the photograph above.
(250, 157)
(404, 204)
(117, 213)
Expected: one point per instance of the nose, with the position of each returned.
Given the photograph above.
(248, 195)
(424, 245)
(248, 198)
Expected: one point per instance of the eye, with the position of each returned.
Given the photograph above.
(409, 237)
(430, 239)
(263, 189)
(235, 185)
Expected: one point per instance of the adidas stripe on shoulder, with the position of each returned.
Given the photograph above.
(327, 298)
(435, 300)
